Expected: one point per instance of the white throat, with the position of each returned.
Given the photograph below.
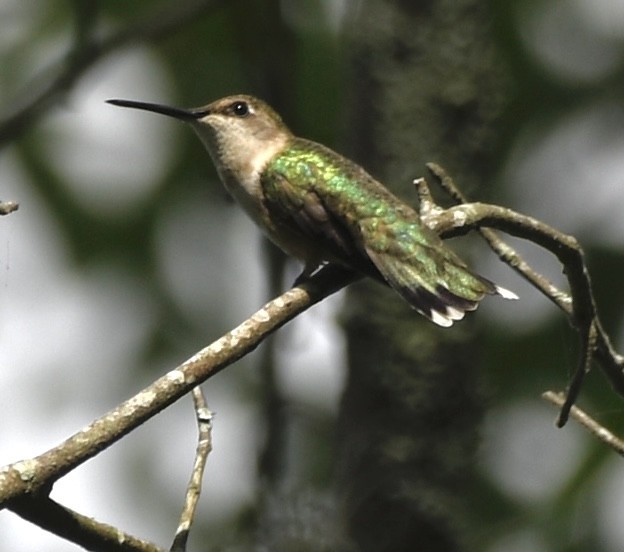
(240, 159)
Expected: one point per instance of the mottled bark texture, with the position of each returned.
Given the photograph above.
(427, 85)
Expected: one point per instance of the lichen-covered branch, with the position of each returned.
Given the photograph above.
(34, 477)
(579, 305)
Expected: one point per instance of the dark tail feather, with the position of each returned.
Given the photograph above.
(440, 305)
(445, 307)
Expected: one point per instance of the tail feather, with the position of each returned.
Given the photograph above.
(430, 305)
(437, 302)
(506, 293)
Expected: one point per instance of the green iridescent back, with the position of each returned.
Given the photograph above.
(339, 206)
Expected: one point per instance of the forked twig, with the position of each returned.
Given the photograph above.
(579, 305)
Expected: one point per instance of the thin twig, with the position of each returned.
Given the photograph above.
(588, 344)
(193, 490)
(603, 434)
(74, 527)
(428, 208)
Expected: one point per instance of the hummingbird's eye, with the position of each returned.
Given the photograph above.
(240, 109)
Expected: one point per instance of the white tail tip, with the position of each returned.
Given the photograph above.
(505, 293)
(440, 319)
(446, 319)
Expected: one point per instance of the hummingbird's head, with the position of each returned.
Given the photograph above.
(239, 126)
(236, 130)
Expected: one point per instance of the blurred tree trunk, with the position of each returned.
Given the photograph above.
(427, 85)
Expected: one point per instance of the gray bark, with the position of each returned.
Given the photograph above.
(426, 86)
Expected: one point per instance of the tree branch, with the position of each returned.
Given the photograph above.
(24, 485)
(37, 475)
(74, 527)
(579, 305)
(599, 431)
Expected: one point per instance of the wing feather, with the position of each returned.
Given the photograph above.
(303, 211)
(337, 208)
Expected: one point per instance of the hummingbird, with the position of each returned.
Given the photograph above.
(323, 208)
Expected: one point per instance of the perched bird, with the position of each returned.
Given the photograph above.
(320, 207)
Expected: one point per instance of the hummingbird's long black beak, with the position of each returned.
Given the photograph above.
(175, 112)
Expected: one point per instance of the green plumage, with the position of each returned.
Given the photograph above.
(335, 206)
